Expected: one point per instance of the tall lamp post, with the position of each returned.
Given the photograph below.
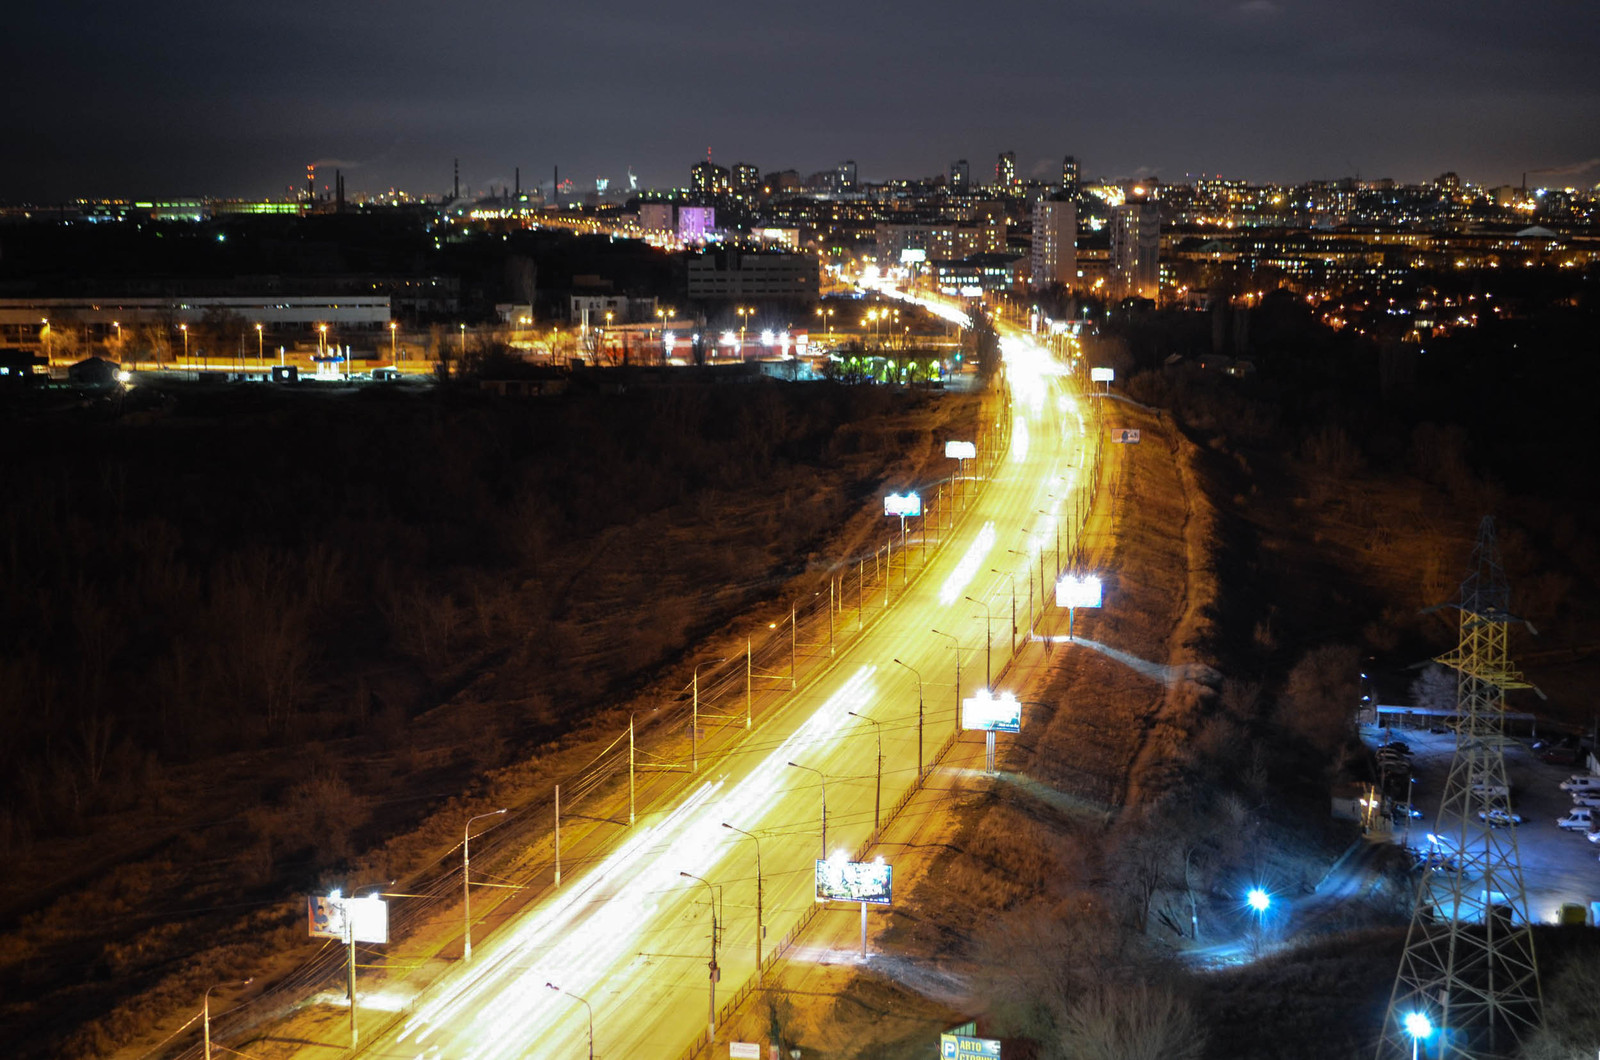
(185, 329)
(394, 343)
(1013, 577)
(761, 927)
(261, 348)
(877, 789)
(716, 972)
(988, 641)
(918, 676)
(205, 1010)
(744, 319)
(824, 780)
(957, 644)
(466, 881)
(586, 1005)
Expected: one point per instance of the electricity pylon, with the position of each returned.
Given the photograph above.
(1468, 987)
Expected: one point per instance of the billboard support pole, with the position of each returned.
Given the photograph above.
(558, 835)
(863, 930)
(747, 668)
(988, 751)
(630, 769)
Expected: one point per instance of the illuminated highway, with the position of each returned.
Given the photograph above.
(628, 932)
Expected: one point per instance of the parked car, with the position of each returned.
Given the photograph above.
(1499, 818)
(1581, 782)
(1578, 819)
(1593, 837)
(1492, 791)
(1580, 798)
(1560, 756)
(1397, 746)
(1438, 861)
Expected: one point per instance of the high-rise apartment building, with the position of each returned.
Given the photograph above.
(960, 177)
(1055, 244)
(1070, 180)
(708, 178)
(746, 180)
(1005, 173)
(845, 173)
(1135, 231)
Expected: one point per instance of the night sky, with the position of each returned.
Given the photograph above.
(232, 98)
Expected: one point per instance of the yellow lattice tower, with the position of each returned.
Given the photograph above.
(1468, 985)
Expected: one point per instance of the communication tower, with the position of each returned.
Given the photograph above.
(1468, 986)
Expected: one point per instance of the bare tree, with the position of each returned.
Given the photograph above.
(1132, 1022)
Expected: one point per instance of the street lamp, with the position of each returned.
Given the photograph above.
(463, 328)
(877, 790)
(824, 780)
(394, 343)
(918, 676)
(586, 1005)
(261, 350)
(466, 882)
(716, 973)
(1419, 1026)
(205, 1010)
(745, 313)
(761, 929)
(185, 329)
(988, 641)
(694, 718)
(957, 644)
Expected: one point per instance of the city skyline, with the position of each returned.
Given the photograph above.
(1272, 92)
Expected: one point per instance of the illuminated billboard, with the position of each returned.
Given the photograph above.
(839, 880)
(1125, 435)
(1078, 591)
(335, 917)
(960, 451)
(992, 713)
(902, 504)
(910, 256)
(1101, 375)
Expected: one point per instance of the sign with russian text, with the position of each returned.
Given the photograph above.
(960, 1047)
(744, 1051)
(1125, 435)
(1102, 375)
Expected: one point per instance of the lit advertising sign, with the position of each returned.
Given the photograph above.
(334, 917)
(902, 504)
(960, 1047)
(1078, 591)
(908, 256)
(1101, 375)
(991, 712)
(960, 451)
(1125, 435)
(839, 880)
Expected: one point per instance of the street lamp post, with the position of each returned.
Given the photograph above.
(586, 1005)
(761, 927)
(394, 343)
(877, 789)
(205, 1011)
(744, 319)
(466, 882)
(988, 641)
(821, 776)
(1013, 578)
(957, 644)
(261, 349)
(918, 676)
(694, 718)
(185, 329)
(716, 973)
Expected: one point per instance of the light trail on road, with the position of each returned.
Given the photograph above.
(633, 937)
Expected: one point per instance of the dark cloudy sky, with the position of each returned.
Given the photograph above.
(232, 98)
